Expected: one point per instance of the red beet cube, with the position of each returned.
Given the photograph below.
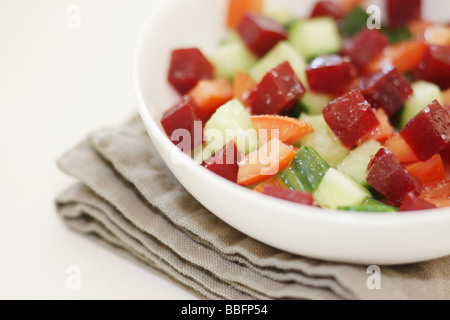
(187, 68)
(181, 123)
(412, 202)
(277, 92)
(435, 66)
(225, 162)
(429, 132)
(401, 12)
(364, 47)
(387, 89)
(390, 178)
(331, 74)
(289, 195)
(350, 117)
(260, 33)
(327, 9)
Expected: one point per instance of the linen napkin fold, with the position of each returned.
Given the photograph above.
(127, 200)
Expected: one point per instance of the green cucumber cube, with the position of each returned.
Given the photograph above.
(424, 93)
(282, 52)
(324, 141)
(230, 122)
(316, 36)
(231, 57)
(356, 163)
(339, 190)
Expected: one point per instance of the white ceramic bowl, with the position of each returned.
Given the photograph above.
(361, 238)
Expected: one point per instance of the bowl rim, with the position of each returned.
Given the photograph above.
(315, 213)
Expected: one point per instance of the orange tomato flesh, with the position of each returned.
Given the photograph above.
(288, 130)
(428, 171)
(238, 8)
(209, 95)
(268, 161)
(242, 86)
(401, 150)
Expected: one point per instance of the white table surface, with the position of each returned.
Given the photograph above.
(56, 85)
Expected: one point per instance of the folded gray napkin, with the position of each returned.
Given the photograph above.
(127, 200)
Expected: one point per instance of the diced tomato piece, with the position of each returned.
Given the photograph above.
(435, 66)
(288, 195)
(327, 8)
(365, 47)
(405, 56)
(187, 68)
(390, 178)
(429, 132)
(243, 85)
(437, 193)
(428, 171)
(381, 133)
(412, 202)
(260, 33)
(277, 92)
(401, 12)
(331, 74)
(268, 161)
(225, 162)
(400, 149)
(272, 181)
(387, 89)
(288, 130)
(183, 117)
(446, 97)
(348, 5)
(350, 117)
(209, 95)
(238, 8)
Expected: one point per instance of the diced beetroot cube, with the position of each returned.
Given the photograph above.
(350, 117)
(387, 89)
(390, 178)
(331, 74)
(435, 66)
(277, 92)
(289, 195)
(365, 46)
(429, 132)
(412, 202)
(260, 33)
(327, 9)
(187, 68)
(182, 116)
(401, 12)
(225, 162)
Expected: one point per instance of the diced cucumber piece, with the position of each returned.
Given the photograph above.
(290, 179)
(424, 93)
(324, 141)
(356, 163)
(282, 52)
(314, 37)
(397, 35)
(231, 57)
(339, 190)
(354, 21)
(306, 170)
(314, 103)
(230, 122)
(371, 205)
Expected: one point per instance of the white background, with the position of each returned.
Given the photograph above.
(56, 85)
